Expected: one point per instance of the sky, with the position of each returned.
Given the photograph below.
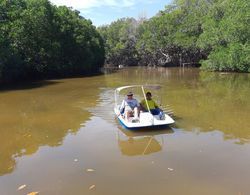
(102, 12)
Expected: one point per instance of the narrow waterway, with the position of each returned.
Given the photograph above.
(61, 136)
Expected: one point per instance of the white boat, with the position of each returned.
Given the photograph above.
(146, 119)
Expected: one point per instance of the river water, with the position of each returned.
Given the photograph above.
(61, 136)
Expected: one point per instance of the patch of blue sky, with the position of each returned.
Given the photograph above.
(102, 12)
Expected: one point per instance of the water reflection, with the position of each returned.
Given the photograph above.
(206, 101)
(217, 102)
(141, 142)
(139, 146)
(201, 100)
(27, 86)
(212, 114)
(40, 115)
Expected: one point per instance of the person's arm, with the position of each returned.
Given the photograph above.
(155, 104)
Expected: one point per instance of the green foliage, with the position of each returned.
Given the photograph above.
(171, 36)
(40, 40)
(226, 34)
(234, 57)
(120, 38)
(214, 33)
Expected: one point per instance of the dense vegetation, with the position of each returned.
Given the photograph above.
(39, 40)
(213, 33)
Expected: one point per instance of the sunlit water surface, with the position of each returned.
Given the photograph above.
(61, 136)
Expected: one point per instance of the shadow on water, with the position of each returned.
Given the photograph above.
(27, 85)
(109, 70)
(37, 83)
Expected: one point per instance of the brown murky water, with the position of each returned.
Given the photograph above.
(52, 132)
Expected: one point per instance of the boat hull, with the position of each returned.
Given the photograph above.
(146, 119)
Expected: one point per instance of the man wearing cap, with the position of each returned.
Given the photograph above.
(130, 106)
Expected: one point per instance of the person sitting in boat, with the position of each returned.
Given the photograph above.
(130, 107)
(152, 105)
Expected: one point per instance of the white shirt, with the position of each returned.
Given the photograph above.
(132, 103)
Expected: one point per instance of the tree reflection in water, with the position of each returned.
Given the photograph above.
(41, 115)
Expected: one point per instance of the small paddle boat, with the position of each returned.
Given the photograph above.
(146, 119)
